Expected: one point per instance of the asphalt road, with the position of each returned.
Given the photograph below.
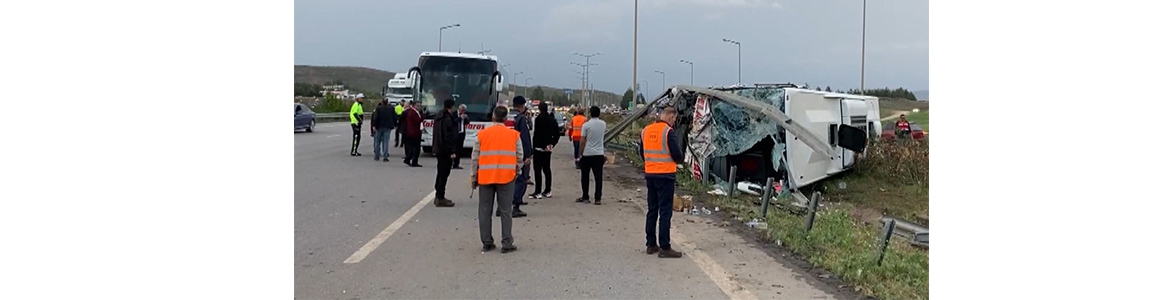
(566, 249)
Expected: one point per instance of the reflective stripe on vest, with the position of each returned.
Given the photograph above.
(578, 121)
(497, 155)
(656, 151)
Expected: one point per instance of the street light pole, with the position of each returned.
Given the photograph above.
(441, 35)
(526, 86)
(635, 83)
(663, 79)
(739, 59)
(587, 64)
(863, 47)
(692, 69)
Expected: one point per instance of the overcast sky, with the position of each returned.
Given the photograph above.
(813, 41)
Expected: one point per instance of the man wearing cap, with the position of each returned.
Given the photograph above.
(520, 124)
(355, 121)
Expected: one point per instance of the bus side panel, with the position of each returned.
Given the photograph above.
(816, 113)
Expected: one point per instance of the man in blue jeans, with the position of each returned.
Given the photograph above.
(520, 123)
(661, 152)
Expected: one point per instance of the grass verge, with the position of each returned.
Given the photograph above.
(922, 118)
(838, 243)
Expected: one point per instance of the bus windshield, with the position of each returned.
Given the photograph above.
(468, 81)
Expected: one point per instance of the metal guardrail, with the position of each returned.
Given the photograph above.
(337, 116)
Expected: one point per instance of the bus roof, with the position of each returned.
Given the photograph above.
(460, 55)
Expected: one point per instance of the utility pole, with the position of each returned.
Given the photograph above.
(526, 86)
(739, 59)
(635, 84)
(663, 79)
(441, 35)
(587, 64)
(863, 47)
(692, 69)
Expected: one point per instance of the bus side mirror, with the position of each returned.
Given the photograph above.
(414, 77)
(497, 80)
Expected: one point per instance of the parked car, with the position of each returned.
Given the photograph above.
(304, 118)
(560, 123)
(889, 131)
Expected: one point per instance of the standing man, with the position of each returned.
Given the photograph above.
(574, 129)
(544, 138)
(445, 147)
(461, 120)
(592, 155)
(356, 116)
(412, 137)
(495, 161)
(661, 152)
(398, 131)
(520, 123)
(383, 121)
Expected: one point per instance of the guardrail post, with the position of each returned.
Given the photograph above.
(731, 182)
(766, 199)
(887, 232)
(812, 211)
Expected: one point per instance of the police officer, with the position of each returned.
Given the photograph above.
(497, 158)
(356, 116)
(661, 151)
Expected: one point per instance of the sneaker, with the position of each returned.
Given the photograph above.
(669, 253)
(488, 247)
(546, 195)
(534, 196)
(508, 248)
(652, 249)
(377, 158)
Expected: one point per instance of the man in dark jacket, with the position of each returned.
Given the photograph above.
(412, 137)
(522, 125)
(461, 121)
(445, 147)
(383, 122)
(544, 137)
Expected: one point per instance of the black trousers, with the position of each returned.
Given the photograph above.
(441, 176)
(542, 162)
(594, 164)
(462, 137)
(397, 136)
(412, 149)
(357, 137)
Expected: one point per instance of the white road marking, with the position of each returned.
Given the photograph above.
(386, 233)
(708, 265)
(332, 135)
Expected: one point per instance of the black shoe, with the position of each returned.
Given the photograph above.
(353, 154)
(652, 249)
(443, 202)
(669, 253)
(416, 165)
(533, 196)
(377, 158)
(523, 203)
(457, 168)
(358, 154)
(489, 247)
(407, 162)
(596, 201)
(508, 248)
(517, 213)
(497, 213)
(385, 159)
(583, 200)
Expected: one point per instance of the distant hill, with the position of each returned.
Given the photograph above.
(922, 95)
(358, 79)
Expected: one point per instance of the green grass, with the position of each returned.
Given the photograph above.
(837, 243)
(922, 118)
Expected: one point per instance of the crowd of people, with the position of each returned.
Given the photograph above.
(503, 158)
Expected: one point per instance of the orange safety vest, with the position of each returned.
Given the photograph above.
(655, 150)
(497, 155)
(578, 121)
